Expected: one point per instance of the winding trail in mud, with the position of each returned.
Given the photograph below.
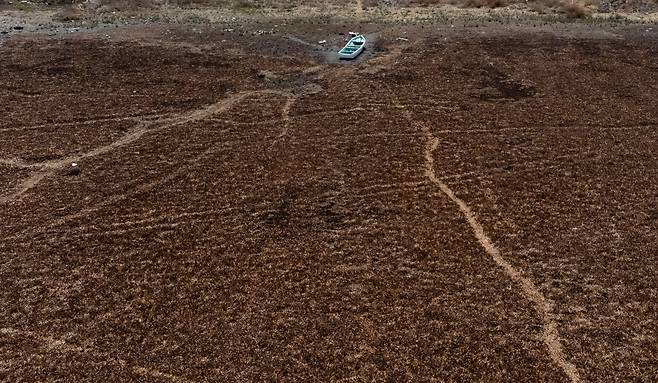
(550, 333)
(16, 163)
(205, 113)
(285, 118)
(131, 136)
(90, 121)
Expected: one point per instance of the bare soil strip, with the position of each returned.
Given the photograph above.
(17, 163)
(540, 128)
(132, 136)
(49, 343)
(550, 335)
(137, 117)
(285, 118)
(289, 118)
(52, 344)
(305, 43)
(222, 106)
(120, 197)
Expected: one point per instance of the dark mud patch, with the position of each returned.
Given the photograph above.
(303, 210)
(397, 77)
(497, 85)
(280, 215)
(331, 214)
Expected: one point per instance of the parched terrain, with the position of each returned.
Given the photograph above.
(474, 204)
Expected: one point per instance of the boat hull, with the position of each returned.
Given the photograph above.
(353, 48)
(350, 55)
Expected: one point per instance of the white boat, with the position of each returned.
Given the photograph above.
(353, 48)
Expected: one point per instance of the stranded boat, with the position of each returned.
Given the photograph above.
(353, 48)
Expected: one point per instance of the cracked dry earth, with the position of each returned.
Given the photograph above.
(472, 209)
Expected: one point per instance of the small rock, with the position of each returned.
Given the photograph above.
(73, 170)
(266, 75)
(18, 28)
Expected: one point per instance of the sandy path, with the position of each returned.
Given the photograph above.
(206, 113)
(133, 135)
(285, 119)
(136, 117)
(17, 163)
(550, 334)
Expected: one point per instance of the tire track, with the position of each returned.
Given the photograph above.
(18, 163)
(390, 187)
(521, 167)
(401, 189)
(293, 117)
(130, 137)
(305, 43)
(285, 118)
(20, 94)
(219, 107)
(136, 117)
(164, 222)
(119, 197)
(550, 333)
(538, 129)
(141, 230)
(54, 345)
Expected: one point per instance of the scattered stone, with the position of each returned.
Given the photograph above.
(322, 42)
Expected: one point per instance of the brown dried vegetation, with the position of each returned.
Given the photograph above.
(282, 226)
